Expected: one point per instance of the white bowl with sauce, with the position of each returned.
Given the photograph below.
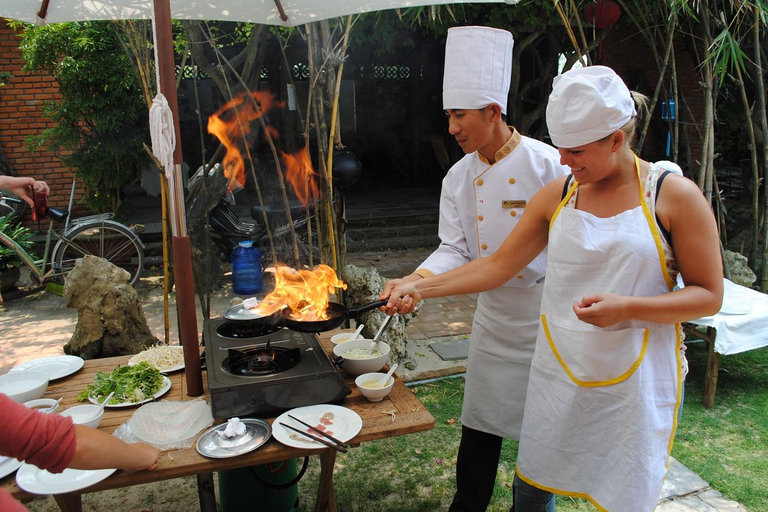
(343, 337)
(353, 357)
(366, 383)
(84, 415)
(43, 404)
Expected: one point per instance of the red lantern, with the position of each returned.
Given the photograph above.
(602, 13)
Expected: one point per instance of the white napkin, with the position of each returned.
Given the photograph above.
(234, 427)
(250, 303)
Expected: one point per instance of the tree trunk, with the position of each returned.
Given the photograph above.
(761, 113)
(706, 162)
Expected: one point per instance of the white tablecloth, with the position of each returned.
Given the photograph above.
(742, 323)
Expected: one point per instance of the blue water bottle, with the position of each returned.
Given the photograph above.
(246, 269)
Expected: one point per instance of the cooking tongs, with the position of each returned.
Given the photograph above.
(331, 441)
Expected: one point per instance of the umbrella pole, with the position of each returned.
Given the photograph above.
(182, 252)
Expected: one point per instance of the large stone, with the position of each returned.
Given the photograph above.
(364, 284)
(110, 320)
(739, 269)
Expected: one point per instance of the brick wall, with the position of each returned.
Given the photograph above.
(20, 116)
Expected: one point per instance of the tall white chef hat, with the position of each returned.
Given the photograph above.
(587, 104)
(478, 68)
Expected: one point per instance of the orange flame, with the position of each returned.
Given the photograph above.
(306, 292)
(232, 123)
(301, 176)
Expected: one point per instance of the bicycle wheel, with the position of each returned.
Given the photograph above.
(106, 239)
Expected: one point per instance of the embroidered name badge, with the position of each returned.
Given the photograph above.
(508, 203)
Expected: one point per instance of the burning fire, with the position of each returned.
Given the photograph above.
(231, 124)
(306, 292)
(300, 174)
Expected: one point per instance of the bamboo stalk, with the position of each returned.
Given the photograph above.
(166, 252)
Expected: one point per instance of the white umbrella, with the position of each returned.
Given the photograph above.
(268, 12)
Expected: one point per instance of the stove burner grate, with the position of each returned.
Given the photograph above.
(256, 362)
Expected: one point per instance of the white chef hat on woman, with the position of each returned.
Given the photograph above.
(478, 68)
(587, 104)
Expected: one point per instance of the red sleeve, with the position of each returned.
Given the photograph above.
(8, 504)
(45, 440)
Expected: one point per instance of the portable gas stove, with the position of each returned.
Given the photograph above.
(254, 375)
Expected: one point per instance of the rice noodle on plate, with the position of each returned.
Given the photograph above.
(163, 357)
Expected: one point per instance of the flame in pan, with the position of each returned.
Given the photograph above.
(306, 292)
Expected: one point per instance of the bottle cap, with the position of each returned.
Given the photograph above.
(246, 243)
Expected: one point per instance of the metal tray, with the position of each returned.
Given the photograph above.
(212, 444)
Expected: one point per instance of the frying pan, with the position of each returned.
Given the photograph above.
(251, 319)
(337, 315)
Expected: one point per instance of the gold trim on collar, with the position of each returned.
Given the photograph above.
(506, 149)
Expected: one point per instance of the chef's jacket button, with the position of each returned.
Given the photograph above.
(513, 213)
(480, 182)
(479, 217)
(520, 277)
(511, 181)
(484, 246)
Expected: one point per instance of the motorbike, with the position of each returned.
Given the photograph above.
(228, 230)
(229, 225)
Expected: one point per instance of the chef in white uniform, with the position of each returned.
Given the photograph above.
(483, 197)
(606, 376)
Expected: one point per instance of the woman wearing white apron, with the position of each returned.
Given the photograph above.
(605, 381)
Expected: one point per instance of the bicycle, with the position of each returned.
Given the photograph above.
(96, 235)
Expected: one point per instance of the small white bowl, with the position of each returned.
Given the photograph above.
(43, 404)
(25, 385)
(357, 367)
(84, 415)
(337, 339)
(371, 393)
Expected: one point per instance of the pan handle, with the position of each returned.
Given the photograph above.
(353, 313)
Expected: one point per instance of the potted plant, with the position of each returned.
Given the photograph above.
(10, 263)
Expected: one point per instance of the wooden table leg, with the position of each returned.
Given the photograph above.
(710, 376)
(713, 361)
(326, 500)
(206, 493)
(69, 502)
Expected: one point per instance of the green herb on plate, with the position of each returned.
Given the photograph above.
(129, 383)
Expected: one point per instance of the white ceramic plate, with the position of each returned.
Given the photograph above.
(8, 466)
(165, 369)
(55, 367)
(160, 392)
(39, 481)
(340, 422)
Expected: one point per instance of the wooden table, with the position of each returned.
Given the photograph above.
(410, 417)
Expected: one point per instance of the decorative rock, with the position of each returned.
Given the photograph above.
(363, 286)
(740, 271)
(110, 319)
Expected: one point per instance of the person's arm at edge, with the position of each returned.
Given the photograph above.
(21, 187)
(97, 449)
(523, 244)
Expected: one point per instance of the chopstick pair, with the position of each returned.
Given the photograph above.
(318, 439)
(335, 443)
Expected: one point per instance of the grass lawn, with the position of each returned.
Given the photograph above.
(726, 445)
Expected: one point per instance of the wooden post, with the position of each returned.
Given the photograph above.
(182, 254)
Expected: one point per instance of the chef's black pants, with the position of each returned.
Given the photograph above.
(476, 468)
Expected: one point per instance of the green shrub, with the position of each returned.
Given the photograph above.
(18, 233)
